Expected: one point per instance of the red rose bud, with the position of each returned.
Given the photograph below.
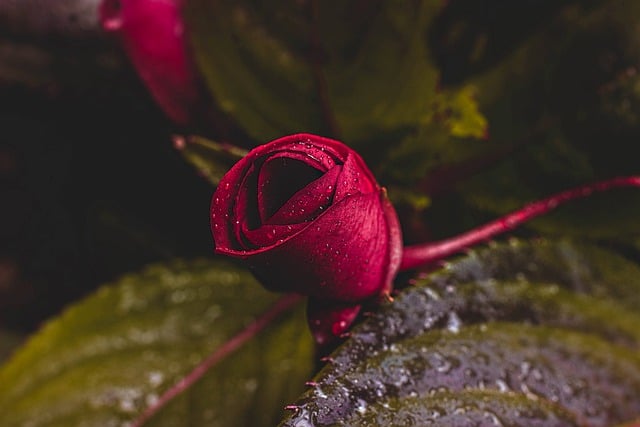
(308, 216)
(152, 33)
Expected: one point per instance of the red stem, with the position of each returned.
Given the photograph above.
(280, 306)
(417, 255)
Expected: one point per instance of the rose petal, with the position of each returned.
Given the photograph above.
(152, 32)
(355, 178)
(322, 152)
(343, 255)
(279, 179)
(270, 235)
(309, 202)
(225, 228)
(245, 212)
(394, 247)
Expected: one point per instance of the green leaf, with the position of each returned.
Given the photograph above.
(360, 69)
(210, 159)
(547, 325)
(108, 357)
(461, 113)
(571, 111)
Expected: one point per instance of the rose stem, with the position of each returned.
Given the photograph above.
(279, 307)
(417, 255)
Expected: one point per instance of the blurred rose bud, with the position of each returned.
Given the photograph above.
(153, 36)
(307, 215)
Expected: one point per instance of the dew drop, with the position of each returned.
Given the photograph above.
(493, 418)
(444, 365)
(155, 378)
(453, 322)
(502, 385)
(151, 399)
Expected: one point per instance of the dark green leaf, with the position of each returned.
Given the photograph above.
(551, 325)
(567, 95)
(358, 69)
(210, 159)
(464, 408)
(108, 357)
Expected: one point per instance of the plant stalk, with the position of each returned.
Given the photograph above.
(425, 253)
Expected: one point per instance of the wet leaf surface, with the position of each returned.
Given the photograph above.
(549, 326)
(109, 356)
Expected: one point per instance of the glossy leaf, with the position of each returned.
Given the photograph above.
(467, 407)
(548, 326)
(108, 357)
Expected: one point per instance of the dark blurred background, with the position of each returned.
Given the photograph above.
(90, 185)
